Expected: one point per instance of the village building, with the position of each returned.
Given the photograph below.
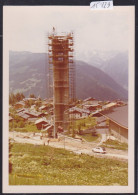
(43, 108)
(48, 129)
(19, 105)
(92, 107)
(110, 105)
(118, 122)
(21, 110)
(32, 120)
(91, 101)
(41, 123)
(31, 114)
(78, 113)
(28, 99)
(23, 116)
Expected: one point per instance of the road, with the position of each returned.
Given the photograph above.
(75, 145)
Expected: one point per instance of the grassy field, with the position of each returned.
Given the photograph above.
(90, 138)
(27, 128)
(44, 165)
(115, 145)
(85, 123)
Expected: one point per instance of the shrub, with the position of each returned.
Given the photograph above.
(21, 124)
(31, 128)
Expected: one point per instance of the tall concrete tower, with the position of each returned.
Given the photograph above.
(61, 69)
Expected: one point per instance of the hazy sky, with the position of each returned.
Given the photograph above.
(26, 27)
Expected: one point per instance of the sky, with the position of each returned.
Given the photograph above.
(26, 27)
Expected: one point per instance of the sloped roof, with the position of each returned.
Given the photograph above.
(89, 99)
(111, 104)
(41, 120)
(21, 110)
(23, 115)
(47, 128)
(43, 107)
(21, 103)
(79, 110)
(119, 115)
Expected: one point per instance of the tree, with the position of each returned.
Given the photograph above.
(13, 98)
(32, 95)
(18, 97)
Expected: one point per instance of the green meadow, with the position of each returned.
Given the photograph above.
(45, 165)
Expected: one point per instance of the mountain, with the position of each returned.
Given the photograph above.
(113, 63)
(28, 73)
(117, 68)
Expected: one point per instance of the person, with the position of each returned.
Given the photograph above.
(48, 141)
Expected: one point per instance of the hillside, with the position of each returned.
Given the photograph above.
(29, 72)
(112, 63)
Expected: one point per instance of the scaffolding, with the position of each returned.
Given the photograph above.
(61, 78)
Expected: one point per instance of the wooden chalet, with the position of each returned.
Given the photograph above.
(41, 123)
(23, 116)
(19, 105)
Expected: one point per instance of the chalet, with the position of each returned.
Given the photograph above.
(43, 108)
(23, 116)
(101, 119)
(110, 105)
(32, 120)
(121, 103)
(49, 129)
(41, 114)
(28, 99)
(92, 107)
(31, 114)
(21, 110)
(19, 105)
(90, 101)
(78, 113)
(118, 122)
(41, 123)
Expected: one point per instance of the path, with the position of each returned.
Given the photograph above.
(74, 145)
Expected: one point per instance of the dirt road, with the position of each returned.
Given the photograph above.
(74, 145)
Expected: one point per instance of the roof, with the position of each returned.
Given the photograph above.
(79, 110)
(91, 105)
(25, 99)
(100, 119)
(110, 105)
(89, 99)
(21, 110)
(23, 115)
(31, 113)
(32, 119)
(42, 107)
(41, 120)
(47, 128)
(119, 115)
(21, 103)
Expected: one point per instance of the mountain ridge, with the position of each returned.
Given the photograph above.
(29, 71)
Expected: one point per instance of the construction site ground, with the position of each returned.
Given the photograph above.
(75, 145)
